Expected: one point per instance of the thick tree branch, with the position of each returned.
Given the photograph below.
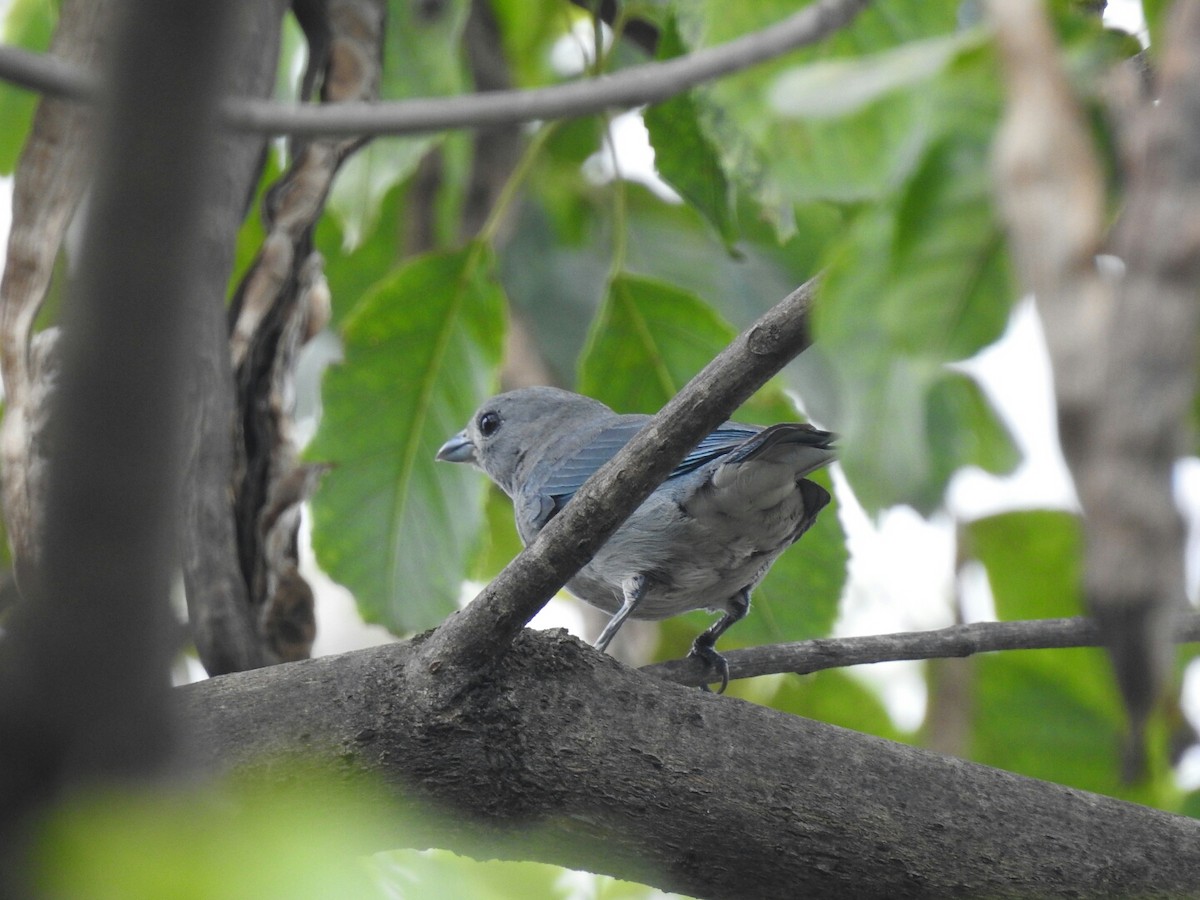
(471, 640)
(635, 86)
(565, 755)
(805, 657)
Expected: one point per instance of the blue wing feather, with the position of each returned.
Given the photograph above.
(572, 473)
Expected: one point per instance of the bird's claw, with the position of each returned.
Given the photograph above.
(715, 662)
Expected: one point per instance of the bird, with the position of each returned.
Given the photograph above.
(702, 540)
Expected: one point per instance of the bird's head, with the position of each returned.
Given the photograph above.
(512, 431)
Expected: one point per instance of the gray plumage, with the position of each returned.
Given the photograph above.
(702, 540)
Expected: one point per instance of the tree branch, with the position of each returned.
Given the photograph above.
(635, 86)
(805, 657)
(565, 755)
(47, 74)
(471, 639)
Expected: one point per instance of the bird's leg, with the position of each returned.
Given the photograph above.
(634, 588)
(703, 647)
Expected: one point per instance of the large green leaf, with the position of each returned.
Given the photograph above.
(783, 159)
(685, 155)
(390, 523)
(357, 196)
(919, 282)
(1051, 714)
(837, 87)
(29, 25)
(648, 340)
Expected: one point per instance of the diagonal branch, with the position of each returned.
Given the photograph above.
(635, 86)
(805, 657)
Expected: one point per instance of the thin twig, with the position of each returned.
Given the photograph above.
(635, 86)
(48, 75)
(805, 657)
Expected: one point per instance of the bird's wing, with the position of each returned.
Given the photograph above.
(569, 475)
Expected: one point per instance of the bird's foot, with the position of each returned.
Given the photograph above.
(716, 663)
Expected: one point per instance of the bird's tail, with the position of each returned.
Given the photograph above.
(803, 447)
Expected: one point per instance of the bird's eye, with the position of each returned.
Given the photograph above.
(488, 423)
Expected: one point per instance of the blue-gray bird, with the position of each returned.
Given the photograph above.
(702, 540)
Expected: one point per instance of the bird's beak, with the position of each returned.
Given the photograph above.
(458, 449)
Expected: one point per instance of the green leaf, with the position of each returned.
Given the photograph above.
(964, 430)
(421, 56)
(685, 156)
(1157, 12)
(391, 524)
(918, 282)
(1034, 561)
(784, 160)
(29, 25)
(648, 340)
(837, 87)
(528, 32)
(836, 697)
(1051, 714)
(357, 196)
(353, 274)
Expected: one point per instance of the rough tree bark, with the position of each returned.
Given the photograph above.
(565, 755)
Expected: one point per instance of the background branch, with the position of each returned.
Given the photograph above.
(630, 87)
(805, 657)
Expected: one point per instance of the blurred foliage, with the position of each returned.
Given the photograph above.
(29, 25)
(1054, 715)
(241, 839)
(224, 842)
